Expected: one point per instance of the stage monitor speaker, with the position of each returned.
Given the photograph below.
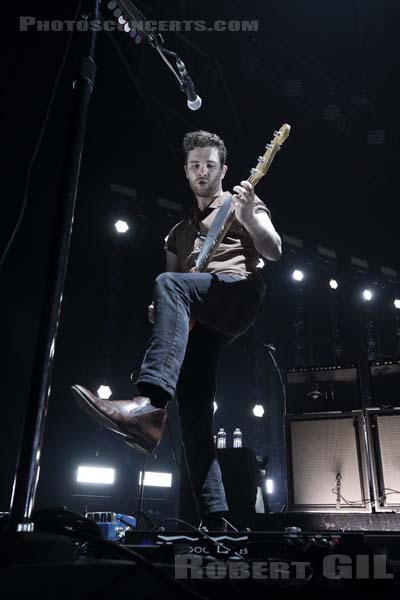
(385, 383)
(322, 388)
(384, 429)
(326, 463)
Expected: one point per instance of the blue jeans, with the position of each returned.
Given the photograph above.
(223, 306)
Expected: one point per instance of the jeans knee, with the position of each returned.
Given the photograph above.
(164, 283)
(165, 279)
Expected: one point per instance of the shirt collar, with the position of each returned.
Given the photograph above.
(219, 200)
(194, 213)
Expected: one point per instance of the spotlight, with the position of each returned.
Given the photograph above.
(367, 294)
(258, 410)
(297, 275)
(104, 392)
(121, 226)
(397, 303)
(95, 475)
(151, 478)
(333, 284)
(269, 485)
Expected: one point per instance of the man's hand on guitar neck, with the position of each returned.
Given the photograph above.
(243, 202)
(265, 238)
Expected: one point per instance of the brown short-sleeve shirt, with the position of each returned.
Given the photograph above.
(236, 255)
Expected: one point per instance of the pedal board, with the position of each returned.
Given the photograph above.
(220, 545)
(113, 525)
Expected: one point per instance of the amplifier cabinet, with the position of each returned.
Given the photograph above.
(385, 383)
(384, 434)
(324, 388)
(326, 463)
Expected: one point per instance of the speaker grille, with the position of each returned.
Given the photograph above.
(389, 436)
(320, 450)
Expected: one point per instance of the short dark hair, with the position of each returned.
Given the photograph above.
(201, 139)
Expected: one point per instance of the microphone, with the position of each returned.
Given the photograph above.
(193, 100)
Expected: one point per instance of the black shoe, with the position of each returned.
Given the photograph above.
(137, 420)
(214, 522)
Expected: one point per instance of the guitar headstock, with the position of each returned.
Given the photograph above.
(265, 161)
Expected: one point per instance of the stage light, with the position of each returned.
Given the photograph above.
(151, 478)
(269, 486)
(122, 190)
(121, 226)
(95, 475)
(367, 295)
(297, 275)
(331, 112)
(292, 88)
(376, 137)
(258, 410)
(396, 303)
(215, 406)
(104, 392)
(333, 284)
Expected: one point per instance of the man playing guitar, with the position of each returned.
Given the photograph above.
(223, 300)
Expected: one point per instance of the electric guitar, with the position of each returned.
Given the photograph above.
(226, 213)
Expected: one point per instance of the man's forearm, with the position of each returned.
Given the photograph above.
(265, 238)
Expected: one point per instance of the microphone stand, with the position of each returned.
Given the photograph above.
(28, 462)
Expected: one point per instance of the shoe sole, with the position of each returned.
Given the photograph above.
(130, 442)
(92, 411)
(87, 406)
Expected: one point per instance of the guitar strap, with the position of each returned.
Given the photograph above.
(214, 230)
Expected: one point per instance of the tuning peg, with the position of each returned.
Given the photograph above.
(261, 159)
(268, 146)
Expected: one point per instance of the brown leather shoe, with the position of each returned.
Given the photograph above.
(137, 420)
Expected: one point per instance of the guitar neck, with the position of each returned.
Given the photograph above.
(206, 256)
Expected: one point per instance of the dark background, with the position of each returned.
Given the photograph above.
(330, 70)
